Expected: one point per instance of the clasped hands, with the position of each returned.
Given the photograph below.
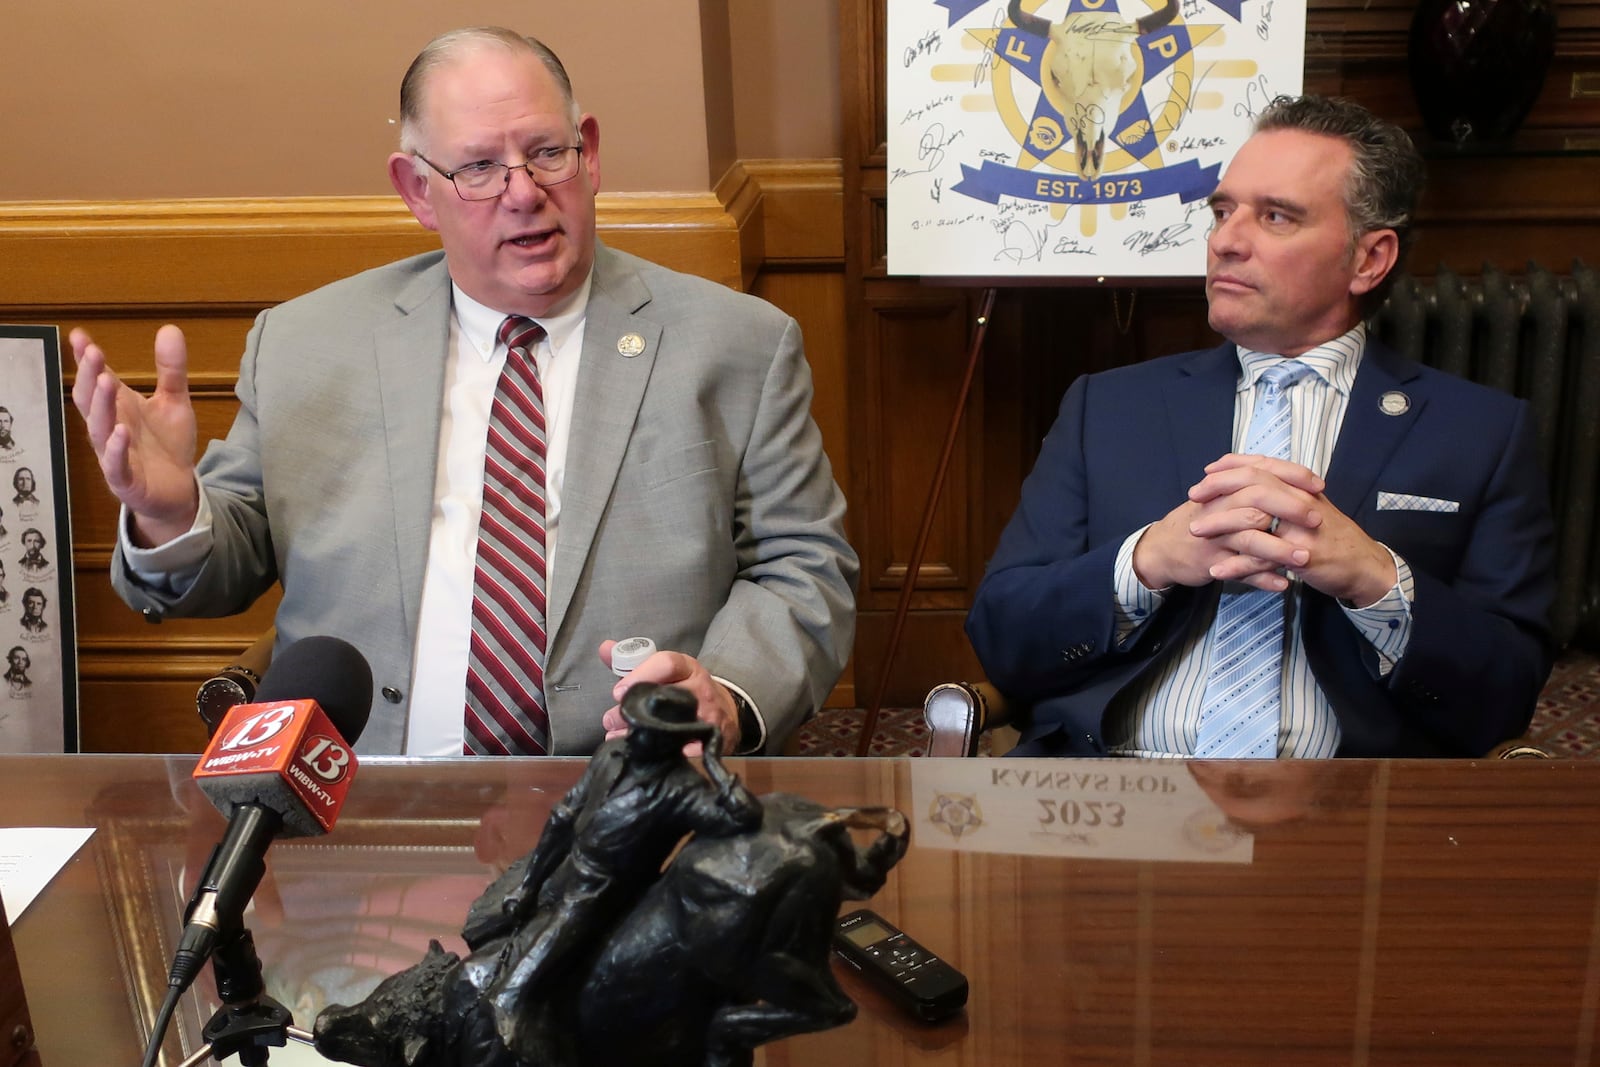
(1262, 521)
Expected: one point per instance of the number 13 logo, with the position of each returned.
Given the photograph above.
(326, 758)
(259, 728)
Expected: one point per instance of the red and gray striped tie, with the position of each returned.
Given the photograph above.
(505, 713)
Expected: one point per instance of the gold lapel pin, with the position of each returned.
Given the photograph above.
(630, 345)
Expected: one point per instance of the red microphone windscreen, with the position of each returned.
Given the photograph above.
(286, 756)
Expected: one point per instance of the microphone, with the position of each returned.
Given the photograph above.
(280, 766)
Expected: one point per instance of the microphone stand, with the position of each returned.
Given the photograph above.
(249, 1022)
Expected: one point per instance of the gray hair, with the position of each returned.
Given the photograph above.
(450, 46)
(1386, 170)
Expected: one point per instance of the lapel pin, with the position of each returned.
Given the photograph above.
(630, 344)
(1394, 402)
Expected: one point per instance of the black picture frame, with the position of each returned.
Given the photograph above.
(39, 688)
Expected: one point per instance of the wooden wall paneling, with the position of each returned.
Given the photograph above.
(933, 648)
(1532, 202)
(136, 694)
(873, 246)
(912, 365)
(911, 347)
(1509, 212)
(1383, 84)
(1341, 31)
(862, 24)
(802, 215)
(135, 703)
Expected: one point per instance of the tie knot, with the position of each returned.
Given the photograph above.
(1284, 373)
(520, 332)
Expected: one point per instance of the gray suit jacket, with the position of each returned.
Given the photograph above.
(698, 508)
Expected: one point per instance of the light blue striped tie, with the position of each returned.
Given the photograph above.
(1244, 688)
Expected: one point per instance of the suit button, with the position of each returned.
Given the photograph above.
(151, 615)
(392, 695)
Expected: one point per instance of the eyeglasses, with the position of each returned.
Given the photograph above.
(486, 180)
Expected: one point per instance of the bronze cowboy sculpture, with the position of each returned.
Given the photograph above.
(589, 951)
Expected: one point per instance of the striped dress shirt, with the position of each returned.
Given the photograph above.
(1160, 715)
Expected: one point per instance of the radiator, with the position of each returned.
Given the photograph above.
(1536, 336)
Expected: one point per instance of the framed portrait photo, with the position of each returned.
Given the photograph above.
(38, 634)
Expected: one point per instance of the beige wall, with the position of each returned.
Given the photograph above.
(104, 100)
(771, 74)
(785, 66)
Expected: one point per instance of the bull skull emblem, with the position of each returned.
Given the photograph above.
(1093, 67)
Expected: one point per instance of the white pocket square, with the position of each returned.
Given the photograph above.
(1412, 502)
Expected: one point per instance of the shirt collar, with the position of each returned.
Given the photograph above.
(1335, 361)
(480, 324)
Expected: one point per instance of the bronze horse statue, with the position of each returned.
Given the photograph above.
(727, 950)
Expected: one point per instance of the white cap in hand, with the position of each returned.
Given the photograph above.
(629, 653)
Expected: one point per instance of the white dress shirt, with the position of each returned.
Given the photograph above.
(444, 625)
(1161, 716)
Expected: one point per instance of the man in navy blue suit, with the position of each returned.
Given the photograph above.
(1405, 544)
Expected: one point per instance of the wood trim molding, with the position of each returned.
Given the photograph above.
(84, 218)
(312, 214)
(164, 659)
(148, 251)
(803, 220)
(790, 213)
(690, 232)
(741, 196)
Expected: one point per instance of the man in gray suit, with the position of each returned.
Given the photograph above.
(688, 499)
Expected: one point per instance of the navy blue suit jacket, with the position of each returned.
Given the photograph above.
(1124, 451)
